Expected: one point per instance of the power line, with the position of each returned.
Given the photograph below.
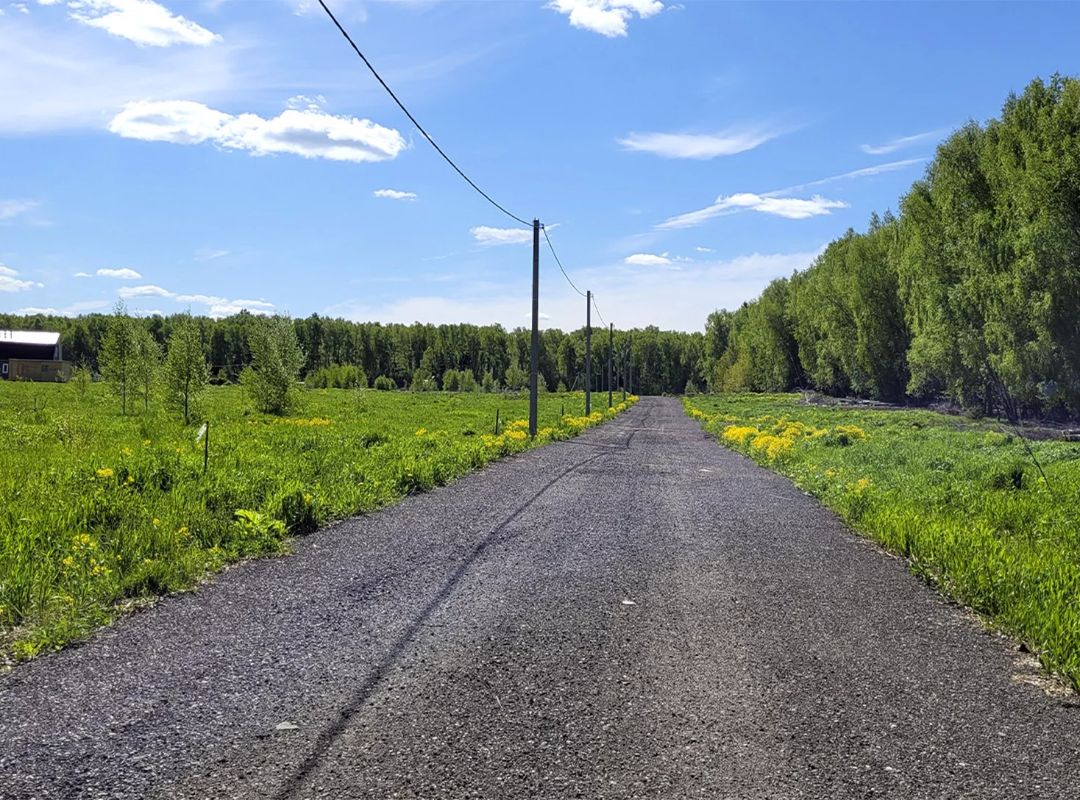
(557, 261)
(595, 306)
(412, 119)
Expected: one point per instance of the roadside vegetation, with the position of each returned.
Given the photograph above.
(966, 503)
(101, 510)
(969, 294)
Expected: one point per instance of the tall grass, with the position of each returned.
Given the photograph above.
(100, 511)
(963, 501)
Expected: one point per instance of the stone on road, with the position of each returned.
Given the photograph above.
(636, 613)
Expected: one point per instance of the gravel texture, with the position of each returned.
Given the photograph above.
(637, 613)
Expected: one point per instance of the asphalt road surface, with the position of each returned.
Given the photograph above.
(637, 613)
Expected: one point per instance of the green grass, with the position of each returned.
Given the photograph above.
(963, 501)
(100, 512)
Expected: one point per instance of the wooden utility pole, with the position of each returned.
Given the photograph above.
(534, 359)
(610, 353)
(588, 353)
(624, 374)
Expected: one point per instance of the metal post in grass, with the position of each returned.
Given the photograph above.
(496, 422)
(630, 364)
(534, 357)
(610, 351)
(204, 435)
(588, 353)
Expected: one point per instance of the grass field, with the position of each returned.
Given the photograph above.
(99, 512)
(963, 501)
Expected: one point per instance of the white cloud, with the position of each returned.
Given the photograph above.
(491, 236)
(394, 194)
(144, 22)
(310, 133)
(865, 172)
(606, 17)
(700, 145)
(216, 306)
(10, 282)
(228, 308)
(208, 254)
(703, 249)
(123, 274)
(787, 207)
(144, 291)
(72, 310)
(647, 260)
(83, 275)
(901, 142)
(9, 209)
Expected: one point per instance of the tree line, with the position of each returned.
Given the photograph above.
(340, 353)
(970, 293)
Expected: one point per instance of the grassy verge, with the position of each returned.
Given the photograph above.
(963, 501)
(99, 511)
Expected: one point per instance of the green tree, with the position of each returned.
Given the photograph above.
(119, 353)
(186, 371)
(146, 363)
(276, 359)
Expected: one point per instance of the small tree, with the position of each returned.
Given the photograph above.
(147, 362)
(385, 384)
(466, 381)
(119, 351)
(276, 359)
(186, 370)
(516, 378)
(451, 380)
(489, 384)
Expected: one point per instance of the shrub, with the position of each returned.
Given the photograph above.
(337, 376)
(385, 384)
(276, 358)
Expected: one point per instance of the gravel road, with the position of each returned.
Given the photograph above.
(637, 613)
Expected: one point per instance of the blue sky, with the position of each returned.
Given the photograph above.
(224, 154)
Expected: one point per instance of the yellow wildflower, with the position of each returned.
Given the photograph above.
(69, 562)
(126, 451)
(421, 431)
(105, 472)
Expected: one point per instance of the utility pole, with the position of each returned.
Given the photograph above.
(588, 353)
(610, 352)
(630, 364)
(534, 360)
(624, 374)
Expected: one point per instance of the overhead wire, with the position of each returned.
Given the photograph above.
(447, 158)
(557, 261)
(413, 119)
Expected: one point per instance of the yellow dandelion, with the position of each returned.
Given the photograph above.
(105, 472)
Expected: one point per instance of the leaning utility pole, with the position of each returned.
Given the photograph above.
(588, 353)
(534, 360)
(610, 351)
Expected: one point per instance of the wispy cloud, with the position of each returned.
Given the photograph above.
(123, 274)
(486, 235)
(310, 133)
(216, 306)
(702, 146)
(63, 77)
(10, 281)
(787, 207)
(209, 254)
(607, 17)
(865, 172)
(72, 310)
(394, 194)
(144, 22)
(647, 260)
(10, 209)
(902, 142)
